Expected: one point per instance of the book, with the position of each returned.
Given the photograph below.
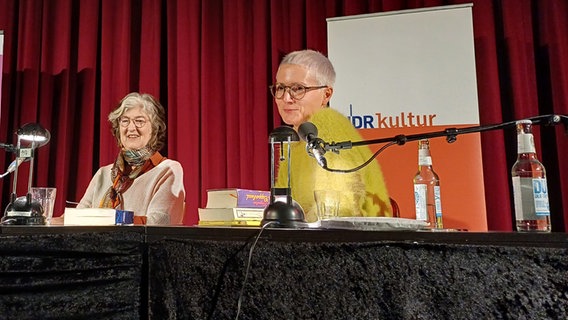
(230, 214)
(89, 217)
(237, 198)
(235, 223)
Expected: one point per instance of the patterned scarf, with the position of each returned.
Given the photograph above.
(138, 162)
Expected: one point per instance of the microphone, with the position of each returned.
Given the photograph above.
(309, 133)
(12, 167)
(564, 120)
(8, 147)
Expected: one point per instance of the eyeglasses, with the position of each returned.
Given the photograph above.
(138, 122)
(296, 91)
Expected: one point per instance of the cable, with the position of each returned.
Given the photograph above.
(219, 285)
(366, 162)
(248, 268)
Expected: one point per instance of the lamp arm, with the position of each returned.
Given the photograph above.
(30, 177)
(13, 196)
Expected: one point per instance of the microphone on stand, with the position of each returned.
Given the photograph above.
(317, 147)
(564, 120)
(8, 147)
(309, 133)
(13, 166)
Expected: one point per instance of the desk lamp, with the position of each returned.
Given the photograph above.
(282, 211)
(22, 210)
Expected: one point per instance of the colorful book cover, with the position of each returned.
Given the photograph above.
(237, 198)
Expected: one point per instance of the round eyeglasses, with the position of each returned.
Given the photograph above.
(138, 122)
(296, 91)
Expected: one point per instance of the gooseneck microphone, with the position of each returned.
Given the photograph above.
(8, 147)
(309, 133)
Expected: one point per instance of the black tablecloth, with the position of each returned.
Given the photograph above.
(197, 273)
(79, 275)
(201, 279)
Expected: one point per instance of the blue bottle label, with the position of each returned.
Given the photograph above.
(540, 193)
(438, 201)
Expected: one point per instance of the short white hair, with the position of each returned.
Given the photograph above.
(316, 63)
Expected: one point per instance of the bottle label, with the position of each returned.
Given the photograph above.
(424, 159)
(540, 192)
(420, 202)
(438, 201)
(531, 198)
(525, 143)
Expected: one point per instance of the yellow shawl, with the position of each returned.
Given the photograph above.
(364, 192)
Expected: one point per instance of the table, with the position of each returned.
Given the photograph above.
(72, 272)
(198, 273)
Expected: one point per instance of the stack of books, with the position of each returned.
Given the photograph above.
(234, 207)
(89, 217)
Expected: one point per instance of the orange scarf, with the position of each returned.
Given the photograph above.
(123, 176)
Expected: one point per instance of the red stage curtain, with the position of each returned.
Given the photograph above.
(68, 62)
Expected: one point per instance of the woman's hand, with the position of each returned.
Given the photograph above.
(57, 221)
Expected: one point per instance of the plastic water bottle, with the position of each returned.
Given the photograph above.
(530, 191)
(427, 188)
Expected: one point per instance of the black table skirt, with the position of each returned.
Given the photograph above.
(386, 279)
(198, 273)
(79, 275)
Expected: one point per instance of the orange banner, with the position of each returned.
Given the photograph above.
(457, 164)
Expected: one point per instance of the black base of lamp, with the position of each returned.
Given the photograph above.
(23, 212)
(283, 215)
(23, 220)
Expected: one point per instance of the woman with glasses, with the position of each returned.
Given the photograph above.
(302, 91)
(140, 179)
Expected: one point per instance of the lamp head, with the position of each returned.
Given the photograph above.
(283, 134)
(35, 133)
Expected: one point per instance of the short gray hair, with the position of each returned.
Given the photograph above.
(152, 107)
(317, 64)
